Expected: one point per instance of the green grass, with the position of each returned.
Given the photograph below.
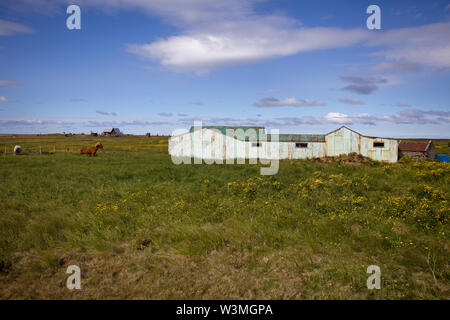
(442, 146)
(50, 143)
(141, 227)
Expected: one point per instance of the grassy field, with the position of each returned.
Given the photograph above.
(141, 227)
(50, 143)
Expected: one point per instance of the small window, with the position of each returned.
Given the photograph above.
(301, 145)
(378, 144)
(256, 144)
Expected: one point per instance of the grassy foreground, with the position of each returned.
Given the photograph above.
(141, 227)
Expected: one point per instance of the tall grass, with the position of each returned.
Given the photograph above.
(142, 227)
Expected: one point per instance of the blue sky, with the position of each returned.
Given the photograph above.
(157, 66)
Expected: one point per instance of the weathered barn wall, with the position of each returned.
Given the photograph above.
(431, 152)
(345, 141)
(413, 154)
(388, 153)
(342, 141)
(288, 150)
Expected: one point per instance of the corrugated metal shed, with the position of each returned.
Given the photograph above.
(212, 142)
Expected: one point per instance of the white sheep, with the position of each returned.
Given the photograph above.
(17, 149)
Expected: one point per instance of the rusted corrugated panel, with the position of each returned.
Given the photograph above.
(417, 146)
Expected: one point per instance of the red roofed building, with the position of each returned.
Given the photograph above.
(417, 149)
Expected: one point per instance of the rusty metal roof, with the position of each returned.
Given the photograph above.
(417, 146)
(300, 137)
(260, 131)
(362, 135)
(223, 129)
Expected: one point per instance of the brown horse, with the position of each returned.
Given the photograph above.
(91, 151)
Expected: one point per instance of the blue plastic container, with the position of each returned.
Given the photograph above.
(443, 157)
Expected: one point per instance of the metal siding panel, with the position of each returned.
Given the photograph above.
(389, 153)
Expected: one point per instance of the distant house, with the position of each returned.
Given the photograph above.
(417, 149)
(113, 132)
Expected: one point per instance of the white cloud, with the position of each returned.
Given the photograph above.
(274, 90)
(179, 12)
(165, 114)
(402, 104)
(217, 33)
(223, 33)
(176, 12)
(8, 28)
(425, 45)
(240, 42)
(33, 122)
(106, 113)
(411, 117)
(416, 116)
(3, 99)
(197, 103)
(403, 117)
(288, 102)
(396, 66)
(367, 85)
(247, 37)
(6, 83)
(336, 117)
(351, 101)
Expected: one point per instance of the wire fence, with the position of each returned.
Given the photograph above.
(46, 149)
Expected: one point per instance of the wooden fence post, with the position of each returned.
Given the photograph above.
(40, 149)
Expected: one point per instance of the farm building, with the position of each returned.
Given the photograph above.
(113, 132)
(226, 143)
(417, 149)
